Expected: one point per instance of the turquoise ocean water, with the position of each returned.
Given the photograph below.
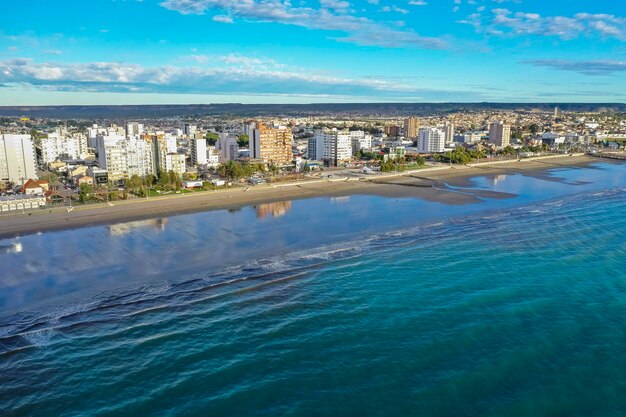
(514, 308)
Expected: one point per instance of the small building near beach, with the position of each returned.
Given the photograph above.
(192, 184)
(21, 202)
(35, 187)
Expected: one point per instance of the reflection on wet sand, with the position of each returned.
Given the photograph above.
(339, 200)
(274, 209)
(121, 229)
(11, 248)
(499, 178)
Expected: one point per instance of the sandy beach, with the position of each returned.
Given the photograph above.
(430, 184)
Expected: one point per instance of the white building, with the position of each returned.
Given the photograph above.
(360, 140)
(134, 129)
(60, 143)
(123, 158)
(470, 137)
(198, 151)
(449, 130)
(21, 202)
(213, 157)
(175, 162)
(17, 158)
(431, 140)
(228, 147)
(189, 130)
(337, 146)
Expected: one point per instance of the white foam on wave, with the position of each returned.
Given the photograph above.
(7, 330)
(39, 338)
(57, 314)
(158, 289)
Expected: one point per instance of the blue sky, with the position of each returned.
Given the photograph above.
(277, 51)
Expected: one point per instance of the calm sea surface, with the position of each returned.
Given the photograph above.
(350, 306)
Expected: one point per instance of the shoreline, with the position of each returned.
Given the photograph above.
(428, 183)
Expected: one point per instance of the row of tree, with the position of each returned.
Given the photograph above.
(235, 170)
(164, 181)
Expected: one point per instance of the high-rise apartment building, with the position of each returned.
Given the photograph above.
(315, 149)
(392, 130)
(123, 157)
(198, 151)
(499, 134)
(61, 143)
(228, 147)
(411, 127)
(175, 162)
(337, 146)
(431, 140)
(189, 129)
(272, 145)
(360, 140)
(162, 144)
(17, 159)
(449, 130)
(134, 129)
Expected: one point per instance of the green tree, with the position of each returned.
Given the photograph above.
(243, 140)
(274, 169)
(134, 183)
(85, 192)
(211, 138)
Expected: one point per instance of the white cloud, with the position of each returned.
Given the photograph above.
(597, 67)
(222, 18)
(333, 15)
(239, 77)
(242, 75)
(503, 22)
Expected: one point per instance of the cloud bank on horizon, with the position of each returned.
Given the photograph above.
(178, 51)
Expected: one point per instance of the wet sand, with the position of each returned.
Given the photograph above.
(427, 184)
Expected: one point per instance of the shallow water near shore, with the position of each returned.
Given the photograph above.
(359, 306)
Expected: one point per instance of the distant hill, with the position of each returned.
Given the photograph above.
(400, 109)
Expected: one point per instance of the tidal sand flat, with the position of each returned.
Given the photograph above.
(431, 185)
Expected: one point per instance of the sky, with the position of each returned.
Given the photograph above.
(309, 51)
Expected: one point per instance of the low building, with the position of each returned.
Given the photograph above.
(100, 176)
(21, 202)
(192, 184)
(84, 180)
(35, 187)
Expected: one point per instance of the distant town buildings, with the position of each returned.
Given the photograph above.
(17, 159)
(431, 140)
(499, 134)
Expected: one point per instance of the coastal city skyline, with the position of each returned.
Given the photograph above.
(204, 51)
(312, 208)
